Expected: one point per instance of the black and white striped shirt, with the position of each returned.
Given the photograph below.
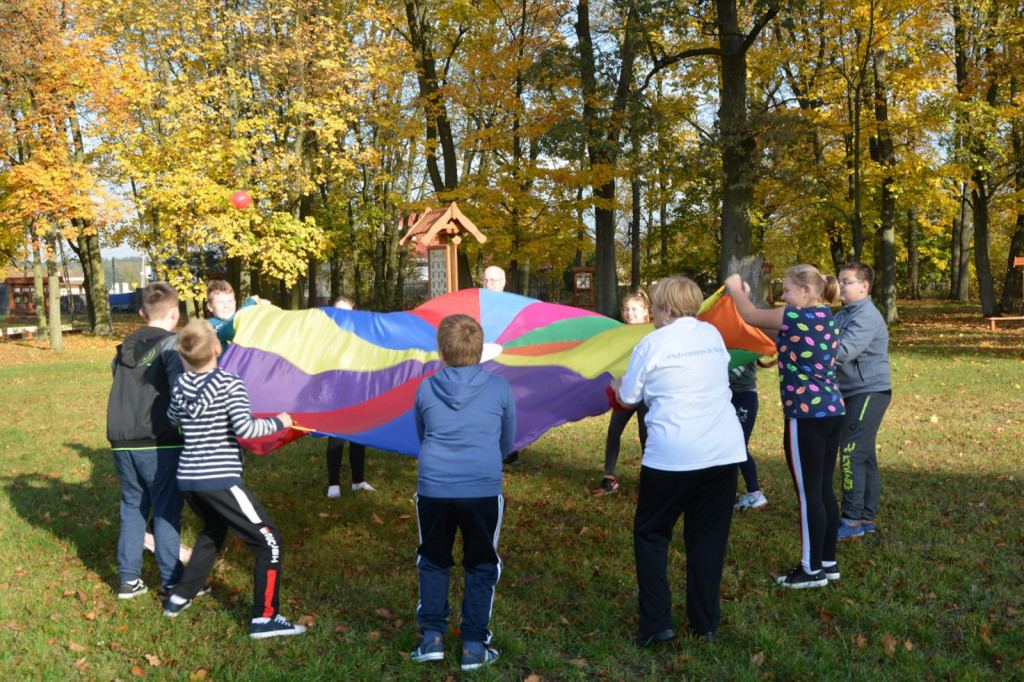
(213, 411)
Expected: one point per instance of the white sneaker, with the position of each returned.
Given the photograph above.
(334, 491)
(362, 485)
(751, 500)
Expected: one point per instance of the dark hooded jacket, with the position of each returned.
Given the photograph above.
(145, 368)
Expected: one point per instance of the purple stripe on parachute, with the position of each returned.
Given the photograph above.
(537, 409)
(275, 384)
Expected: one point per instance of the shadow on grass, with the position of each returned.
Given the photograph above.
(84, 515)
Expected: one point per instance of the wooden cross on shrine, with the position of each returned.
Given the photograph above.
(440, 231)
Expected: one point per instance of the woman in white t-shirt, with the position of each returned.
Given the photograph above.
(694, 445)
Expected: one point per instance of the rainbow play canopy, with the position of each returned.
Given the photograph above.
(354, 373)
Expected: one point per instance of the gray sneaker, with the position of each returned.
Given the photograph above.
(752, 500)
(473, 661)
(428, 651)
(131, 589)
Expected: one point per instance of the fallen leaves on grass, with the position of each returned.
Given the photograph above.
(153, 660)
(889, 644)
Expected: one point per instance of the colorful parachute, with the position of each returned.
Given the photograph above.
(354, 373)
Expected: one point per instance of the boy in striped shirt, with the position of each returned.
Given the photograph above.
(212, 408)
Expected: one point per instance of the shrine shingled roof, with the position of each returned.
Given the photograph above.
(449, 221)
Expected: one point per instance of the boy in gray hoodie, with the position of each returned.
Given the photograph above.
(862, 371)
(466, 423)
(212, 407)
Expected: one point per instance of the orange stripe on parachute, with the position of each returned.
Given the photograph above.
(736, 333)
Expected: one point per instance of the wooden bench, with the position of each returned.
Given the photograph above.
(29, 332)
(993, 321)
(19, 332)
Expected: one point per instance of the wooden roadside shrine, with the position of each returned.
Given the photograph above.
(441, 231)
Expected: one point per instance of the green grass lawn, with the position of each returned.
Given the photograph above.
(934, 594)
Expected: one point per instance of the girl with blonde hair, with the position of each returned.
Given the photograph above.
(807, 340)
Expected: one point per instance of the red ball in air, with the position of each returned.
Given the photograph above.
(241, 199)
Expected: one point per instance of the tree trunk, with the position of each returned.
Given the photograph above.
(982, 263)
(313, 265)
(634, 235)
(53, 286)
(738, 142)
(954, 250)
(886, 157)
(336, 276)
(963, 282)
(100, 321)
(913, 276)
(981, 194)
(602, 139)
(1012, 292)
(438, 127)
(39, 295)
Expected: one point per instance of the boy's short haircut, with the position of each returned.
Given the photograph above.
(460, 340)
(861, 271)
(158, 298)
(198, 343)
(218, 286)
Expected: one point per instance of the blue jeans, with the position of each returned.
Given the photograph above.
(148, 483)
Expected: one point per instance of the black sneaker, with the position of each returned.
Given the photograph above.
(512, 460)
(172, 608)
(131, 589)
(609, 484)
(798, 579)
(831, 572)
(264, 628)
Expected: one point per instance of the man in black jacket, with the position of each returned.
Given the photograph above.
(145, 445)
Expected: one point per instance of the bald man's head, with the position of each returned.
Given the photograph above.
(494, 278)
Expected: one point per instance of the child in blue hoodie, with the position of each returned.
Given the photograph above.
(466, 423)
